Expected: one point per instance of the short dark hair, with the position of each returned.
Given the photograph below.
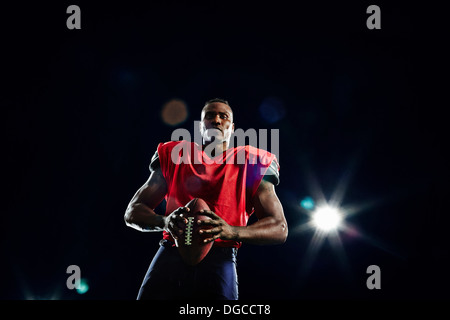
(217, 100)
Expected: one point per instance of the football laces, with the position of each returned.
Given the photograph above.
(188, 236)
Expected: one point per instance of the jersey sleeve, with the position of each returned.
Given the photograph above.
(154, 162)
(262, 165)
(165, 160)
(273, 173)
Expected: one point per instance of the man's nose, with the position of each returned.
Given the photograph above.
(216, 119)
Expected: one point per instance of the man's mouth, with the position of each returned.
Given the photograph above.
(217, 129)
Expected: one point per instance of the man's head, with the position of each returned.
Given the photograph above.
(216, 120)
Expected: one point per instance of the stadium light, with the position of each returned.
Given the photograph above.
(327, 218)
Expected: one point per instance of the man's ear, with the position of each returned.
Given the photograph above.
(232, 129)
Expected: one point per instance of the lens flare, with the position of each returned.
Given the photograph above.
(327, 218)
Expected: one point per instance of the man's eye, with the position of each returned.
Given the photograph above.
(224, 116)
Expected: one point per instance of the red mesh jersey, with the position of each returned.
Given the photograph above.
(190, 173)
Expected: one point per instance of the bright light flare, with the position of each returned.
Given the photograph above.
(327, 218)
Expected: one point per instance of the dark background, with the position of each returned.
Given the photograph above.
(81, 120)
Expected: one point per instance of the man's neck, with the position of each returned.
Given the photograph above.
(219, 148)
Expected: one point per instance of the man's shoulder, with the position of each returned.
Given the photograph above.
(263, 163)
(163, 151)
(258, 155)
(171, 144)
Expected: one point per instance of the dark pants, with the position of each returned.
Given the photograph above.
(168, 277)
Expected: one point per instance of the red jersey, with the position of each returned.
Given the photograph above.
(224, 182)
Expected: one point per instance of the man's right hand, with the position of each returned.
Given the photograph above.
(174, 221)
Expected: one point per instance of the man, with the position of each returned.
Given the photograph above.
(233, 191)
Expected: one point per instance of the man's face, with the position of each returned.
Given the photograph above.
(217, 121)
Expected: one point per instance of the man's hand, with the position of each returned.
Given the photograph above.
(220, 229)
(175, 220)
(271, 227)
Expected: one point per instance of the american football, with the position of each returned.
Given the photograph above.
(190, 244)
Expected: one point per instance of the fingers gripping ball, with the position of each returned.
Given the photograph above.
(190, 244)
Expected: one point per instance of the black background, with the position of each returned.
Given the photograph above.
(81, 120)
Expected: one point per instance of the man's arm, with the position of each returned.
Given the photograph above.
(271, 227)
(140, 213)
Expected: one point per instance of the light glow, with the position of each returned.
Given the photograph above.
(327, 218)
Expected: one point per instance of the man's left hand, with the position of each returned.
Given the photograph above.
(220, 229)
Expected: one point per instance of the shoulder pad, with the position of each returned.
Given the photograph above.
(154, 163)
(272, 174)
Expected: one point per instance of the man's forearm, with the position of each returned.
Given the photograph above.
(143, 218)
(265, 231)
